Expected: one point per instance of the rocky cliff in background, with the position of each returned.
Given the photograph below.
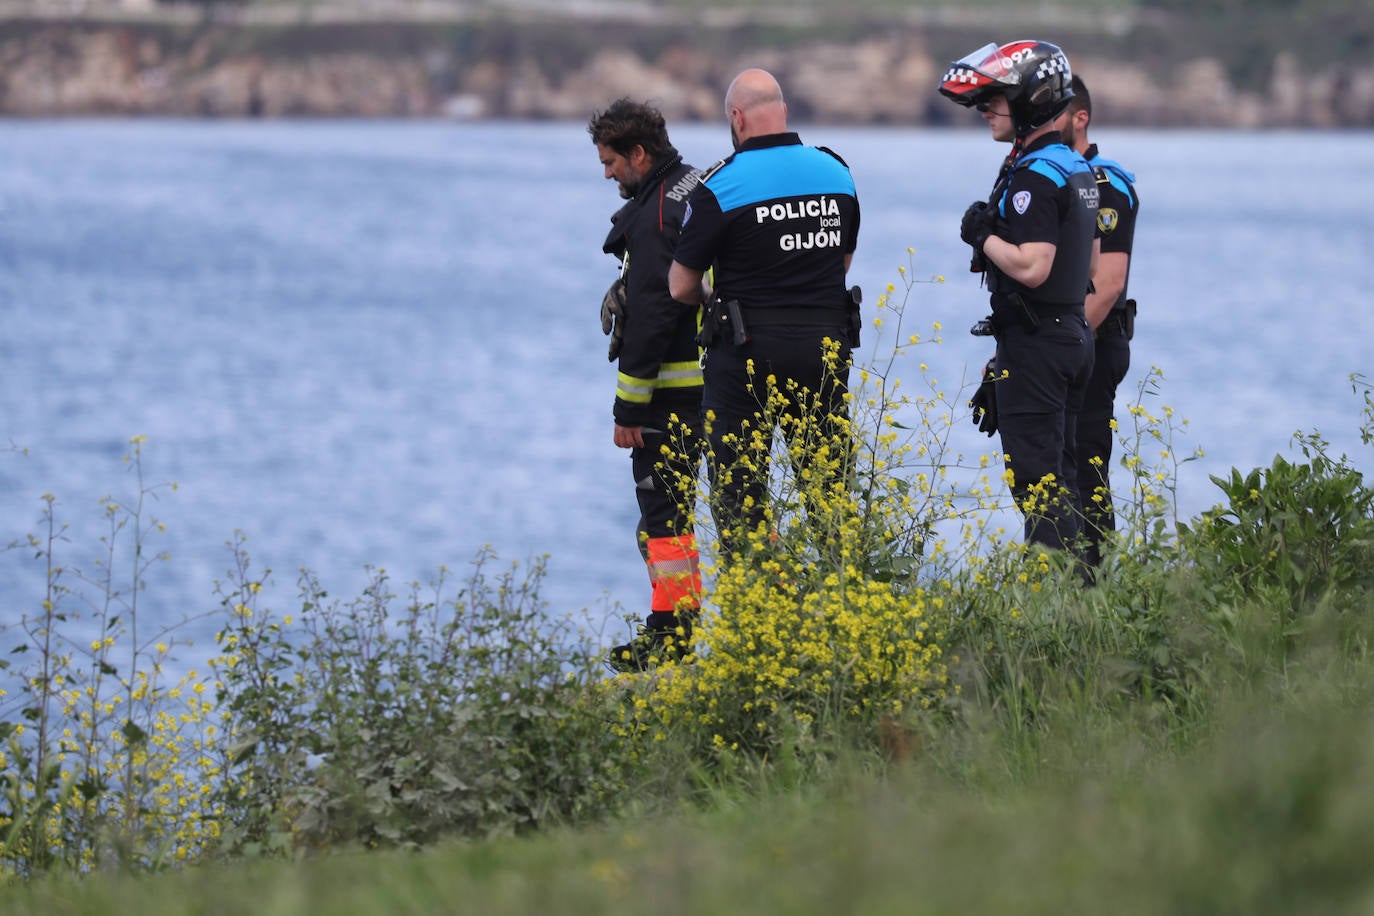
(212, 62)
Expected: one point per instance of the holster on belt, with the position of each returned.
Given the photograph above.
(853, 297)
(1119, 322)
(720, 317)
(735, 318)
(713, 319)
(1012, 309)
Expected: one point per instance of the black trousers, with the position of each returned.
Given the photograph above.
(665, 482)
(1095, 438)
(1038, 404)
(783, 362)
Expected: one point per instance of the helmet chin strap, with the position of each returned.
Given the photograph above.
(999, 185)
(1016, 146)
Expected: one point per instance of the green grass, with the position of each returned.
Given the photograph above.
(1270, 814)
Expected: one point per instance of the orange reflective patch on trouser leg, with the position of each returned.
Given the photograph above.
(674, 572)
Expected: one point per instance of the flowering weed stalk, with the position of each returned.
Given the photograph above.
(105, 762)
(909, 468)
(817, 625)
(1151, 513)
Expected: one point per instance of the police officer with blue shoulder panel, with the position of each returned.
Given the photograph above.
(778, 223)
(1034, 241)
(1112, 318)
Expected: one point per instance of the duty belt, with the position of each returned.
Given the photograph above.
(1039, 307)
(796, 317)
(1010, 310)
(1055, 309)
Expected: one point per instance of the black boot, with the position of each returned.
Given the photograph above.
(664, 637)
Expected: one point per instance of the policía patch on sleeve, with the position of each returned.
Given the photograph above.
(1106, 220)
(1020, 201)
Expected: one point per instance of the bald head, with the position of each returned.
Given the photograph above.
(754, 106)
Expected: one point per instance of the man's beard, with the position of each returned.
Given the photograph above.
(628, 189)
(734, 137)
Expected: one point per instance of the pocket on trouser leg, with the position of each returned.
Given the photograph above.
(675, 573)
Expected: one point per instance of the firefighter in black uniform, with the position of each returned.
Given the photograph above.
(1034, 241)
(658, 388)
(777, 222)
(1112, 318)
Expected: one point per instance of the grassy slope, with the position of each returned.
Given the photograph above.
(1271, 814)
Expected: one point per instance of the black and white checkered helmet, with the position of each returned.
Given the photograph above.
(1033, 75)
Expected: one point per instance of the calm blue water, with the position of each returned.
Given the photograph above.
(376, 343)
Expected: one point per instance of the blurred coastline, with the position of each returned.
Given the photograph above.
(1151, 64)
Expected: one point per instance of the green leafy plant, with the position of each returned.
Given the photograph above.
(379, 722)
(1294, 531)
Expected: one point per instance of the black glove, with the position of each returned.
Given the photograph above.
(984, 402)
(613, 316)
(977, 224)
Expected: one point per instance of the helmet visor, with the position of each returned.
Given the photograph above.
(971, 79)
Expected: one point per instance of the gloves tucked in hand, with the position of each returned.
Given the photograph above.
(977, 224)
(613, 316)
(984, 402)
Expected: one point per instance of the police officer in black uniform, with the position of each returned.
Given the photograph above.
(1112, 318)
(778, 221)
(1034, 240)
(658, 388)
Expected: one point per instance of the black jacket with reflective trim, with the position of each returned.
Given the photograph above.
(659, 369)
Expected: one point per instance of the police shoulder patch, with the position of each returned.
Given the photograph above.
(826, 149)
(1020, 201)
(706, 175)
(1106, 219)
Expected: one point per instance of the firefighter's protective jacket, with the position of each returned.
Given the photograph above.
(659, 370)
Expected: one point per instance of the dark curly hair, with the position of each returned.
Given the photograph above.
(626, 124)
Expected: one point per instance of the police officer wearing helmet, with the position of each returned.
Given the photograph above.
(658, 388)
(778, 223)
(1034, 241)
(1112, 318)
